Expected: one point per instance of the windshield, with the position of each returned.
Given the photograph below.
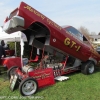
(74, 32)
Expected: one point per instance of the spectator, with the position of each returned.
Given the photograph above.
(2, 43)
(2, 51)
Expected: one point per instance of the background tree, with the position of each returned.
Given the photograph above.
(85, 32)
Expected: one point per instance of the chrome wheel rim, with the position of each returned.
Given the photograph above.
(29, 87)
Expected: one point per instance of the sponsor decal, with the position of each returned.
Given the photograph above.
(35, 12)
(43, 76)
(71, 44)
(42, 17)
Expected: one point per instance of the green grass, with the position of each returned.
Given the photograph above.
(78, 87)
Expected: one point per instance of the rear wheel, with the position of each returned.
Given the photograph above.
(28, 86)
(88, 67)
(11, 71)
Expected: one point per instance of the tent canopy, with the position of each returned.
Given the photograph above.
(12, 37)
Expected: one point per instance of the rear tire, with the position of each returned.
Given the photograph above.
(88, 67)
(11, 71)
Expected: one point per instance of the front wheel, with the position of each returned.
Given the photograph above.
(28, 86)
(11, 71)
(88, 67)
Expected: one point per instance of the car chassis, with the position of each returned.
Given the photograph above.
(44, 74)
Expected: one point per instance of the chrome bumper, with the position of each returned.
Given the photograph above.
(14, 24)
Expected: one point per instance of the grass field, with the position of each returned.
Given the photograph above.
(78, 87)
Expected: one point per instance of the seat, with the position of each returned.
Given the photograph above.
(35, 60)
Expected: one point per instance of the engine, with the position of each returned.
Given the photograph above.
(52, 62)
(27, 68)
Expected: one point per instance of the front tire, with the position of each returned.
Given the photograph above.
(28, 86)
(88, 67)
(11, 71)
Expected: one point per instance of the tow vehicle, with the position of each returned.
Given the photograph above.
(65, 49)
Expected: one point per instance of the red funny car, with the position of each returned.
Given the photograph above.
(65, 49)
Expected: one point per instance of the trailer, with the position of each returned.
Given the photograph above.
(65, 50)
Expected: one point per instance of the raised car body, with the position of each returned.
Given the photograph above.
(45, 32)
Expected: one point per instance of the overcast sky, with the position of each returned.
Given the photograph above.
(64, 12)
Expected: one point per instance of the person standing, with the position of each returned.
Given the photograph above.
(2, 50)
